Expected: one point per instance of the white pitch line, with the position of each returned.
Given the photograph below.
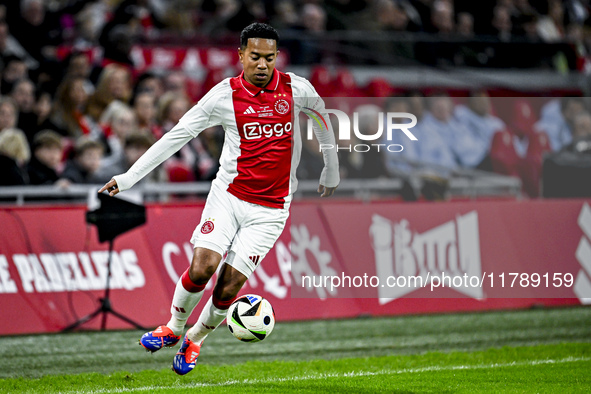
(352, 374)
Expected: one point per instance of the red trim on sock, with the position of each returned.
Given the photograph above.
(221, 304)
(189, 285)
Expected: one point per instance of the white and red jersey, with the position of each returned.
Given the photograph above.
(262, 143)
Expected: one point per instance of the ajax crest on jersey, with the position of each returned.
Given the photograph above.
(251, 318)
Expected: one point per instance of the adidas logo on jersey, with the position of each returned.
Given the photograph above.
(249, 110)
(255, 259)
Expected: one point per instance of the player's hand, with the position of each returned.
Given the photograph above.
(326, 191)
(111, 187)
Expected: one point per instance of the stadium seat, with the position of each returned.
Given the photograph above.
(179, 172)
(344, 85)
(502, 153)
(379, 87)
(321, 79)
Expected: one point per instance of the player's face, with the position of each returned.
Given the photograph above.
(258, 60)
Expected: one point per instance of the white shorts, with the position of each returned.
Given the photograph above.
(245, 230)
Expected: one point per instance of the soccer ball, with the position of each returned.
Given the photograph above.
(251, 318)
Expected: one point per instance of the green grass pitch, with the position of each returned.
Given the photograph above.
(531, 351)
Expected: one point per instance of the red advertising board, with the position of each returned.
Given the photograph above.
(397, 258)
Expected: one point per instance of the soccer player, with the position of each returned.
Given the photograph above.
(248, 203)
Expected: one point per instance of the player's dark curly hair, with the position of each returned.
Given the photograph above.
(258, 30)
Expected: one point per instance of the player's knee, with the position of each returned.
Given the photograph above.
(203, 266)
(227, 292)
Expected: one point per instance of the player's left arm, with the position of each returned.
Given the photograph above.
(201, 116)
(329, 178)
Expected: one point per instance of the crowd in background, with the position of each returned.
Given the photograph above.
(92, 21)
(509, 136)
(69, 120)
(36, 27)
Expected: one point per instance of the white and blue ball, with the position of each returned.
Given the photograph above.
(251, 318)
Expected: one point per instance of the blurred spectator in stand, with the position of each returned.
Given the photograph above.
(478, 119)
(181, 17)
(311, 161)
(9, 47)
(171, 107)
(467, 150)
(409, 9)
(146, 15)
(114, 84)
(575, 36)
(220, 11)
(117, 43)
(43, 106)
(519, 149)
(130, 20)
(47, 158)
(68, 112)
(577, 11)
(192, 159)
(439, 53)
(249, 11)
(35, 29)
(176, 82)
(502, 26)
(144, 106)
(430, 148)
(15, 69)
(86, 162)
(89, 23)
(581, 134)
(150, 82)
(442, 17)
(387, 15)
(135, 145)
(557, 118)
(399, 162)
(528, 27)
(14, 155)
(38, 27)
(428, 158)
(390, 16)
(313, 22)
(118, 123)
(286, 15)
(8, 113)
(358, 163)
(233, 15)
(566, 173)
(213, 141)
(23, 94)
(551, 26)
(416, 100)
(523, 7)
(78, 65)
(465, 25)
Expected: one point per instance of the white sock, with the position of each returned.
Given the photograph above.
(183, 303)
(210, 318)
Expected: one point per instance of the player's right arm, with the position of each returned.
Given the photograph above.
(203, 115)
